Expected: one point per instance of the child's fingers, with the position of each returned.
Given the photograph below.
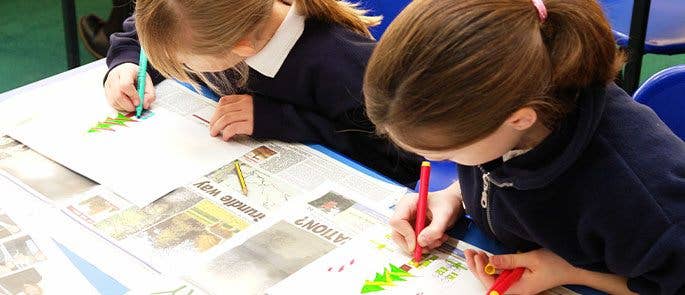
(512, 261)
(400, 241)
(470, 261)
(222, 110)
(234, 129)
(129, 90)
(149, 92)
(123, 103)
(227, 120)
(437, 243)
(405, 212)
(404, 229)
(436, 229)
(481, 259)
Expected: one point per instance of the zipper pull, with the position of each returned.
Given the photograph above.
(486, 188)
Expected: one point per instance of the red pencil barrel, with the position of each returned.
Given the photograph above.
(504, 282)
(421, 207)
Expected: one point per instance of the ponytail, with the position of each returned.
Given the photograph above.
(340, 12)
(580, 44)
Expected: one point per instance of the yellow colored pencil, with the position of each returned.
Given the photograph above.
(241, 178)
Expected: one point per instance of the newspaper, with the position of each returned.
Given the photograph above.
(300, 166)
(46, 179)
(287, 242)
(30, 262)
(171, 232)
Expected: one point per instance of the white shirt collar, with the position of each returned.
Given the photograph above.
(270, 59)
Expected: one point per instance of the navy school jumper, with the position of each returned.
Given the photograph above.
(316, 97)
(605, 191)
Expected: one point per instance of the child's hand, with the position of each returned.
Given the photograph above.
(234, 115)
(544, 270)
(120, 88)
(444, 207)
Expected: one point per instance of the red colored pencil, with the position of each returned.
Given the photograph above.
(505, 280)
(421, 207)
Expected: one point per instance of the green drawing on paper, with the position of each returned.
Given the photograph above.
(386, 279)
(120, 120)
(456, 264)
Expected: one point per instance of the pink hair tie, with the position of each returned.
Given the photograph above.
(542, 10)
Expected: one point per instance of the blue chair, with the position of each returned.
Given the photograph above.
(665, 33)
(443, 174)
(389, 9)
(665, 94)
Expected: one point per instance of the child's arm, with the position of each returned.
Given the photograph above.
(125, 48)
(544, 270)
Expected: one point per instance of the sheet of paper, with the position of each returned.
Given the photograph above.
(140, 159)
(374, 264)
(30, 262)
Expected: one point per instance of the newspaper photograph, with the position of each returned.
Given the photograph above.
(173, 231)
(52, 181)
(262, 260)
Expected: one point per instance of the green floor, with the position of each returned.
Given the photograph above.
(32, 41)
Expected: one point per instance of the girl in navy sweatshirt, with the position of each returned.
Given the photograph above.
(287, 71)
(554, 159)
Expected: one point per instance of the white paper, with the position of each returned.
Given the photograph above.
(373, 264)
(138, 159)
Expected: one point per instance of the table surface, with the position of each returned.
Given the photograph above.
(444, 174)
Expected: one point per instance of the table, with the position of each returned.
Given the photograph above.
(444, 175)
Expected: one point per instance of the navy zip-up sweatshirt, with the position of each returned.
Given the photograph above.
(605, 191)
(316, 97)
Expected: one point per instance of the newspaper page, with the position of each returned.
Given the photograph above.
(171, 233)
(373, 264)
(287, 242)
(30, 262)
(48, 180)
(306, 169)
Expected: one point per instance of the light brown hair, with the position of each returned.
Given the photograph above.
(214, 27)
(448, 73)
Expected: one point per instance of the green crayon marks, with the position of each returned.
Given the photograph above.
(120, 120)
(386, 279)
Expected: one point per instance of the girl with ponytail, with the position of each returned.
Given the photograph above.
(554, 159)
(286, 70)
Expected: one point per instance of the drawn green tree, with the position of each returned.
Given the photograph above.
(119, 120)
(386, 279)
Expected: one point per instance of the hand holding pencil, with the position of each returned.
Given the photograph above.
(526, 273)
(443, 209)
